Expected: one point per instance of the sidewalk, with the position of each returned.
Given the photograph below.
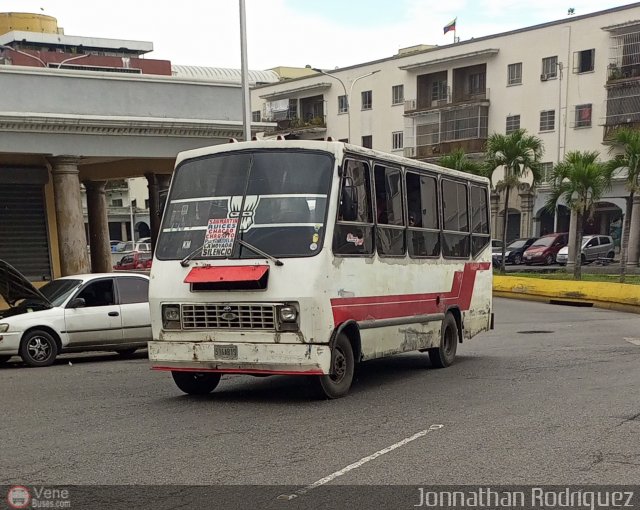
(614, 296)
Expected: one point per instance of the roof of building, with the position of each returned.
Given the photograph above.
(220, 74)
(138, 47)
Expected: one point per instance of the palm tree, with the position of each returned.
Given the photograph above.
(458, 160)
(627, 140)
(519, 154)
(580, 180)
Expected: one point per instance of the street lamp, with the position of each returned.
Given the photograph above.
(347, 96)
(5, 47)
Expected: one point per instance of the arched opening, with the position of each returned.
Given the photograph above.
(513, 225)
(143, 230)
(606, 220)
(547, 222)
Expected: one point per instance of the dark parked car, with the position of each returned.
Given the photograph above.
(515, 251)
(545, 249)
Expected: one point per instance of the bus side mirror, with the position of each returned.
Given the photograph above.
(349, 203)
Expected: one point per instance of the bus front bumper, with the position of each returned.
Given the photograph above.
(240, 358)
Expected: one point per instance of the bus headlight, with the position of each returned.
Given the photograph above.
(171, 316)
(288, 314)
(287, 318)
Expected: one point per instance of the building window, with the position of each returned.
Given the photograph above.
(546, 171)
(367, 100)
(477, 83)
(255, 116)
(116, 202)
(367, 141)
(513, 123)
(397, 94)
(146, 203)
(547, 120)
(549, 68)
(583, 61)
(397, 140)
(343, 106)
(514, 74)
(583, 115)
(439, 90)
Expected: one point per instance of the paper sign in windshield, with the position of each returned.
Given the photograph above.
(218, 241)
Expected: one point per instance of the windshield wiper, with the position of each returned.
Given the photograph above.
(185, 261)
(258, 251)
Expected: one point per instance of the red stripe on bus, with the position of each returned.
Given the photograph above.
(247, 371)
(407, 305)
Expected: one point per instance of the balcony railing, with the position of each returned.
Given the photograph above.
(420, 105)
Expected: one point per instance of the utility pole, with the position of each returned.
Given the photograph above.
(246, 99)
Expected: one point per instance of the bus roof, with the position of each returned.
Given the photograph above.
(336, 148)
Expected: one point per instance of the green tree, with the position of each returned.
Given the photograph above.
(628, 141)
(458, 160)
(519, 154)
(579, 180)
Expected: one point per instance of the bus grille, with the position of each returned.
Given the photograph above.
(219, 316)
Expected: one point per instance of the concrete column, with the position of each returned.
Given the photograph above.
(526, 211)
(98, 227)
(72, 242)
(634, 234)
(154, 208)
(573, 224)
(495, 208)
(124, 233)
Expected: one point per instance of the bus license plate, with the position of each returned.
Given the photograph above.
(225, 351)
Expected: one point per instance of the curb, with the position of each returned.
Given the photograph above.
(613, 296)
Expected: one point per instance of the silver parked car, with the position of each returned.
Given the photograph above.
(594, 247)
(91, 312)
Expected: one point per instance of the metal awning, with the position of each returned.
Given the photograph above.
(489, 52)
(283, 94)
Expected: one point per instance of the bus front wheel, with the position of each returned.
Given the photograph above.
(338, 382)
(196, 383)
(443, 355)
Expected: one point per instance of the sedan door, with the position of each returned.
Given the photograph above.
(98, 321)
(133, 295)
(591, 249)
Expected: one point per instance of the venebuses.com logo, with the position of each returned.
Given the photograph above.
(18, 497)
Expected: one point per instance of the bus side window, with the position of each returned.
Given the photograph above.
(390, 232)
(479, 220)
(353, 234)
(423, 233)
(455, 205)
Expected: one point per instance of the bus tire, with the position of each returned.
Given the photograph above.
(196, 383)
(443, 355)
(337, 384)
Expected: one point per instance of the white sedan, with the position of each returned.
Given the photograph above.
(87, 312)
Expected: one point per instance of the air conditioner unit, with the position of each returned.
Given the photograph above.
(544, 77)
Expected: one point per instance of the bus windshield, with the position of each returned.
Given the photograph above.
(275, 200)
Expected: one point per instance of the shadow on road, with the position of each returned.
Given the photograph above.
(80, 358)
(370, 376)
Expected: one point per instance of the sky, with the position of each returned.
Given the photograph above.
(320, 33)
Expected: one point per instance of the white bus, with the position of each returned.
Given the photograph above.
(308, 257)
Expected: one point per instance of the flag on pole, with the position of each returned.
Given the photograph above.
(451, 25)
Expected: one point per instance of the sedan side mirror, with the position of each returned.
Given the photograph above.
(77, 303)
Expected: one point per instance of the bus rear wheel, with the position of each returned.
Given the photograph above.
(338, 382)
(196, 383)
(443, 355)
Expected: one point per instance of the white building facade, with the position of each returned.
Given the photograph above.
(569, 82)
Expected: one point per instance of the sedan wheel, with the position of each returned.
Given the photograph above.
(38, 348)
(517, 259)
(549, 259)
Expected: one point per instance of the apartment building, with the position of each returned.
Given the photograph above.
(570, 82)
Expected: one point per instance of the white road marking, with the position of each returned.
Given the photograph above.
(634, 341)
(359, 463)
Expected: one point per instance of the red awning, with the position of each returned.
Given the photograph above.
(215, 274)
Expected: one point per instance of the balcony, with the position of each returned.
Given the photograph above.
(417, 106)
(622, 106)
(298, 125)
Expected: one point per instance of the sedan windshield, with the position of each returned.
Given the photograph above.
(544, 241)
(57, 291)
(275, 200)
(517, 244)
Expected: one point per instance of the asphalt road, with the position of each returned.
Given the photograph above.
(549, 397)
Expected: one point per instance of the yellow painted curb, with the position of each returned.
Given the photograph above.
(617, 296)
